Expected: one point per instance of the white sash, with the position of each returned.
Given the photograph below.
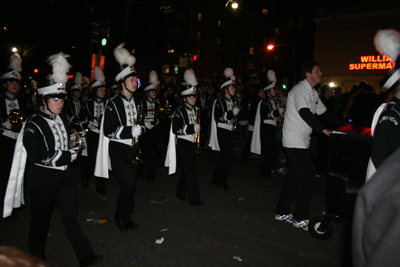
(15, 189)
(255, 146)
(213, 136)
(103, 163)
(170, 159)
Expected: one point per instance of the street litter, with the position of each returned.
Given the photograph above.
(161, 200)
(143, 258)
(95, 218)
(159, 241)
(237, 258)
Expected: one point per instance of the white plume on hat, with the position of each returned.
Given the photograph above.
(190, 78)
(15, 63)
(271, 76)
(60, 67)
(153, 78)
(123, 57)
(86, 80)
(228, 73)
(98, 74)
(387, 42)
(78, 78)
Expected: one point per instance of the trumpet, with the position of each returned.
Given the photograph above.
(197, 135)
(135, 141)
(16, 119)
(75, 141)
(237, 103)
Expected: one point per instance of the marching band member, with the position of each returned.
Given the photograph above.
(73, 105)
(44, 140)
(264, 136)
(85, 89)
(184, 128)
(10, 101)
(151, 122)
(385, 126)
(221, 139)
(91, 113)
(118, 139)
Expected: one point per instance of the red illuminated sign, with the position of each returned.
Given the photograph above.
(373, 63)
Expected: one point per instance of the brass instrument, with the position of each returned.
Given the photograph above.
(197, 135)
(279, 104)
(16, 119)
(135, 141)
(165, 110)
(237, 103)
(75, 141)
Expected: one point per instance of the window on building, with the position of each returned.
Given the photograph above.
(264, 11)
(199, 16)
(171, 50)
(250, 65)
(264, 68)
(199, 53)
(277, 31)
(251, 50)
(165, 69)
(219, 23)
(218, 40)
(199, 35)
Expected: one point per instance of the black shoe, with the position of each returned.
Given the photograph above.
(85, 184)
(122, 226)
(90, 260)
(183, 198)
(197, 204)
(132, 226)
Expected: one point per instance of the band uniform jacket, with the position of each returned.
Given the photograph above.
(150, 117)
(73, 107)
(116, 126)
(386, 132)
(222, 117)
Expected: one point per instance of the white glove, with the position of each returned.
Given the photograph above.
(94, 124)
(136, 131)
(235, 111)
(7, 124)
(73, 155)
(196, 128)
(281, 110)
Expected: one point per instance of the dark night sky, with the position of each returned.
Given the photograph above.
(42, 29)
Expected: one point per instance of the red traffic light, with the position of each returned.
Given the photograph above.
(35, 70)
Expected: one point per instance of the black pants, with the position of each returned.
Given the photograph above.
(299, 184)
(88, 163)
(188, 180)
(225, 157)
(147, 144)
(246, 150)
(48, 188)
(6, 158)
(125, 171)
(269, 149)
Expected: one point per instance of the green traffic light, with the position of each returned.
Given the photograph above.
(176, 69)
(104, 41)
(284, 86)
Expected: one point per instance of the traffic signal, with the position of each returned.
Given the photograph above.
(35, 71)
(104, 32)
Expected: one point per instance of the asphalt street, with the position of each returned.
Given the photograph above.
(233, 228)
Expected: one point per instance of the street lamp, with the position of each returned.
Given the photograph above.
(234, 4)
(14, 49)
(271, 46)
